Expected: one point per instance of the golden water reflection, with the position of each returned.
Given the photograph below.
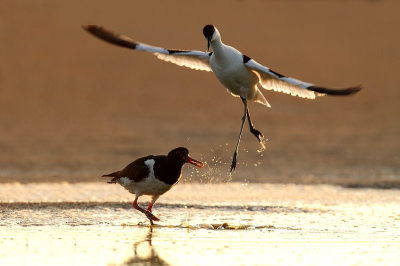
(139, 245)
(145, 253)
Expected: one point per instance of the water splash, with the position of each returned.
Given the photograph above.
(262, 143)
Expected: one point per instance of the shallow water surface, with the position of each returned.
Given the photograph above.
(262, 224)
(140, 245)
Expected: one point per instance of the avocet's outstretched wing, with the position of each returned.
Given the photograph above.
(272, 80)
(193, 59)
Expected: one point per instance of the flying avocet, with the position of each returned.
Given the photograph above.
(238, 73)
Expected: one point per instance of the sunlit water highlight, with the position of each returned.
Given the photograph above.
(177, 246)
(201, 224)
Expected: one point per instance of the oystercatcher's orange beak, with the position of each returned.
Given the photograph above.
(189, 159)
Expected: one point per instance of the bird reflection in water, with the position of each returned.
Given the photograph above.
(144, 253)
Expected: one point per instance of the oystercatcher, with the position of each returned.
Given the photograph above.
(153, 175)
(238, 73)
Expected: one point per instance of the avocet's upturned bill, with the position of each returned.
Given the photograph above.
(239, 74)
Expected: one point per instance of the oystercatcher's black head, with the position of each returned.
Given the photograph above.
(181, 154)
(209, 31)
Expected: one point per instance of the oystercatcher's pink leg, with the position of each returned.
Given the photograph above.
(150, 206)
(153, 201)
(154, 198)
(148, 214)
(149, 210)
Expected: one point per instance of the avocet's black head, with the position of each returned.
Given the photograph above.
(209, 31)
(181, 154)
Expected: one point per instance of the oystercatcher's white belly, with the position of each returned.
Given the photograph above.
(148, 186)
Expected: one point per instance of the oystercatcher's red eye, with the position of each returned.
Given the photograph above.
(178, 152)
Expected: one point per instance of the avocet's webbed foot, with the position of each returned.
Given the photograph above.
(257, 134)
(234, 162)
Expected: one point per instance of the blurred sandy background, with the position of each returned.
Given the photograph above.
(73, 107)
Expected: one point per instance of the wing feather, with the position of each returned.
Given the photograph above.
(192, 59)
(272, 80)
